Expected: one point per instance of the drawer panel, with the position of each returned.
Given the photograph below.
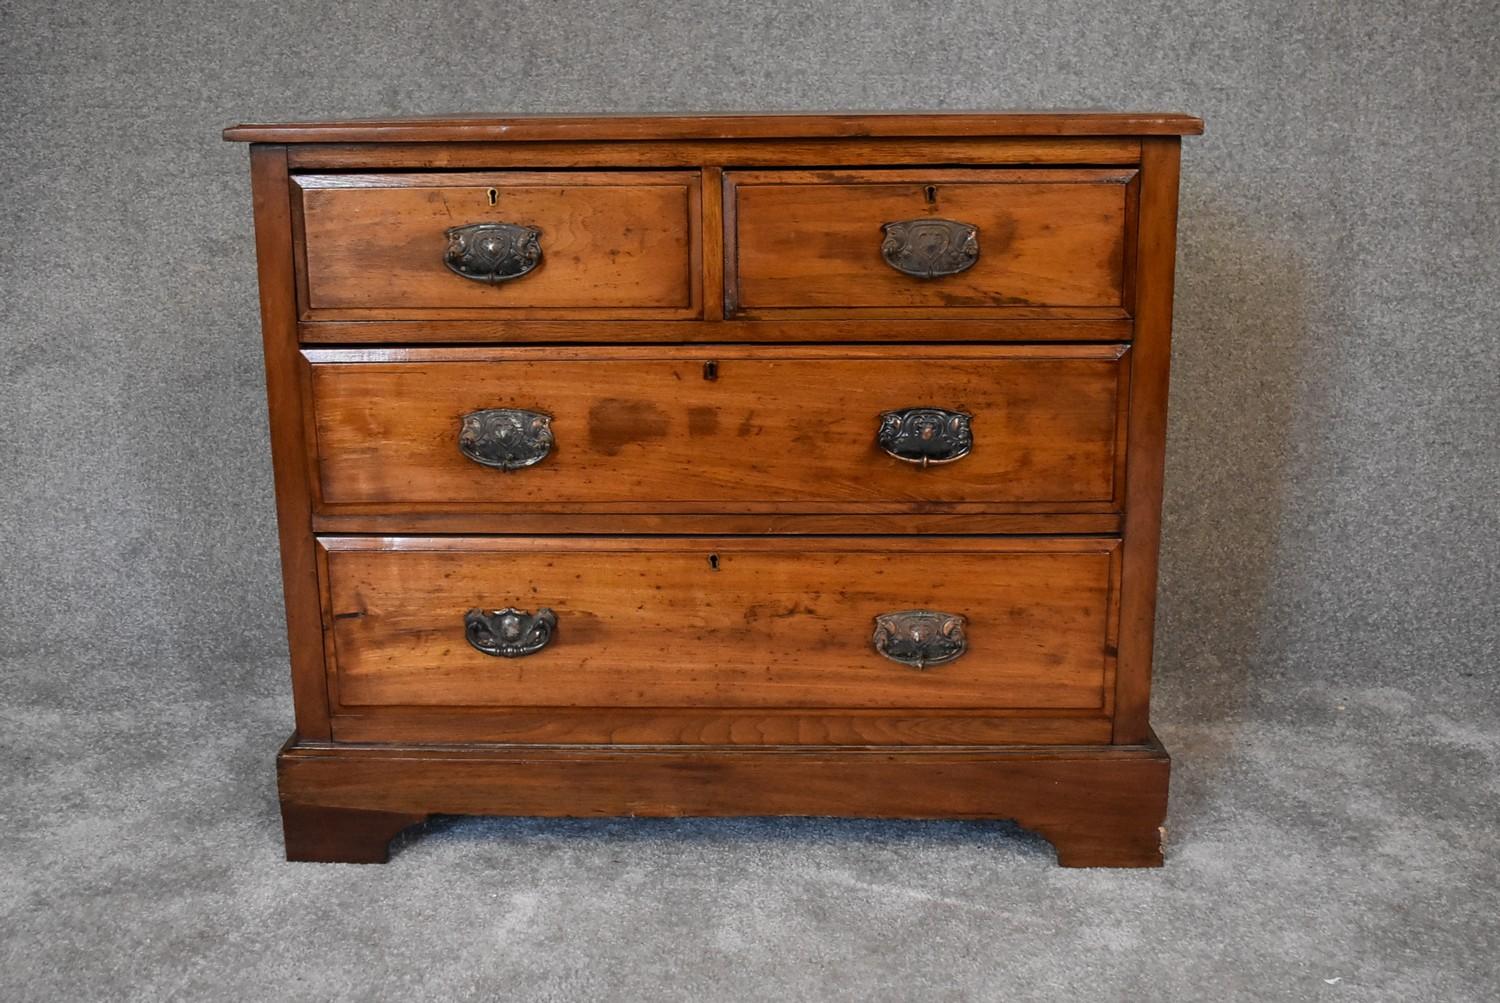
(873, 240)
(728, 430)
(718, 726)
(722, 622)
(609, 244)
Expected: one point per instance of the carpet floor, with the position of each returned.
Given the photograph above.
(1332, 845)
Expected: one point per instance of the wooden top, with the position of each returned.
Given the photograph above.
(593, 128)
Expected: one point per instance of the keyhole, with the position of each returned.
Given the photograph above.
(710, 370)
(494, 196)
(713, 562)
(929, 193)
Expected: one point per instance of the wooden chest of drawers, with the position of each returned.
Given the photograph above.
(724, 465)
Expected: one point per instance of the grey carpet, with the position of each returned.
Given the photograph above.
(1328, 639)
(1333, 844)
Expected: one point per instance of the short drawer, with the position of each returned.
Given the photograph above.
(793, 429)
(930, 241)
(941, 623)
(457, 244)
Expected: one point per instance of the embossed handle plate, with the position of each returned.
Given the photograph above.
(920, 637)
(926, 434)
(506, 438)
(509, 632)
(930, 248)
(493, 252)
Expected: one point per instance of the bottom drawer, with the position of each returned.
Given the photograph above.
(720, 639)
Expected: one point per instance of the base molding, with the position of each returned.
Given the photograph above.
(1099, 805)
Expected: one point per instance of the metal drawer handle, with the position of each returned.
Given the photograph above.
(506, 438)
(920, 637)
(492, 252)
(926, 434)
(509, 632)
(929, 248)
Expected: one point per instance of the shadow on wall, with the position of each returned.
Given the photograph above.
(1240, 343)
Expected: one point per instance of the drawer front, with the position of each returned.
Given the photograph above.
(727, 622)
(517, 244)
(727, 430)
(928, 242)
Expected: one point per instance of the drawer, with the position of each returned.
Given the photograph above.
(791, 429)
(930, 241)
(545, 244)
(1020, 624)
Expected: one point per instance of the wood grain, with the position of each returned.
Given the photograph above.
(1099, 806)
(713, 244)
(811, 239)
(791, 125)
(717, 726)
(1092, 327)
(622, 242)
(415, 519)
(780, 429)
(1155, 257)
(289, 458)
(848, 152)
(721, 622)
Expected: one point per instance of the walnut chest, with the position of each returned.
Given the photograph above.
(720, 465)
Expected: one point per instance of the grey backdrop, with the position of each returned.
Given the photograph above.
(1327, 635)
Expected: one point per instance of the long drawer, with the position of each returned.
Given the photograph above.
(978, 624)
(721, 429)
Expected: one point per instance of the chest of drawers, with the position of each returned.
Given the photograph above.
(724, 465)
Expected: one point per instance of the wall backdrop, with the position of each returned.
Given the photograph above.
(1331, 530)
(1334, 464)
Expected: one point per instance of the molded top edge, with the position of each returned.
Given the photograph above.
(789, 125)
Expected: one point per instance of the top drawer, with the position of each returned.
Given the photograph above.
(617, 244)
(929, 242)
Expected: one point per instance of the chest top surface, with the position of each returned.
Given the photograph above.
(789, 125)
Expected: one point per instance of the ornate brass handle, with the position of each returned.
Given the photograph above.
(506, 438)
(492, 252)
(925, 434)
(509, 632)
(920, 637)
(928, 248)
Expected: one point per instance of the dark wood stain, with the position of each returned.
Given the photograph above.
(615, 423)
(703, 420)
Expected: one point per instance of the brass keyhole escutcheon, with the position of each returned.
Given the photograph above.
(494, 196)
(929, 193)
(713, 562)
